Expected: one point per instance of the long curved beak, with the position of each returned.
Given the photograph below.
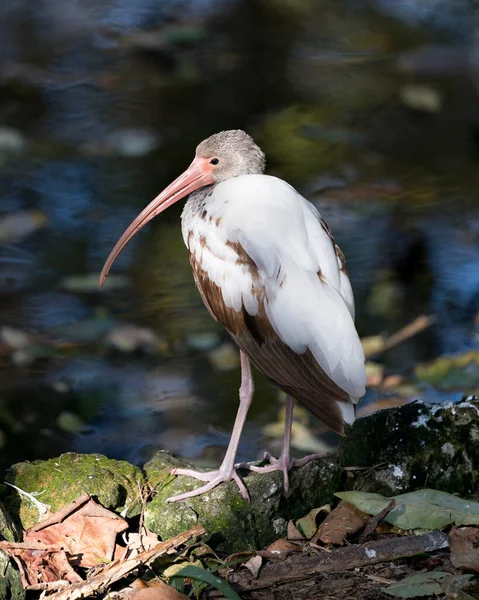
(198, 174)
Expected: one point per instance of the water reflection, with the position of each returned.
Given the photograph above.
(368, 108)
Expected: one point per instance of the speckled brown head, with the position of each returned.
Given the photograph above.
(221, 156)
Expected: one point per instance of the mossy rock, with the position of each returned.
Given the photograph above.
(11, 587)
(415, 446)
(8, 528)
(59, 481)
(233, 524)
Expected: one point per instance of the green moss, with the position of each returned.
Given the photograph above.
(234, 524)
(59, 481)
(8, 529)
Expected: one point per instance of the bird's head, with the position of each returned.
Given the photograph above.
(229, 154)
(221, 156)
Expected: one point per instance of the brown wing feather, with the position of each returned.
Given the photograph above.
(296, 374)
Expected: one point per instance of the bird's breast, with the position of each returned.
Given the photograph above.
(219, 260)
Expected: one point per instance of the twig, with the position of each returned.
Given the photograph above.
(19, 547)
(62, 514)
(117, 570)
(411, 329)
(341, 559)
(374, 521)
(49, 585)
(378, 579)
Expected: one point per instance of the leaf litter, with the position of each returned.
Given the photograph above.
(84, 549)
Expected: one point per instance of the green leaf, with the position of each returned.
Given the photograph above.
(206, 577)
(422, 509)
(427, 584)
(307, 525)
(178, 583)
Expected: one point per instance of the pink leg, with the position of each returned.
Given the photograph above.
(284, 463)
(227, 471)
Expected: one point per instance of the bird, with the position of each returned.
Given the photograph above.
(268, 269)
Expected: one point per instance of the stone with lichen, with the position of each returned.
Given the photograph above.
(58, 481)
(233, 524)
(415, 446)
(10, 582)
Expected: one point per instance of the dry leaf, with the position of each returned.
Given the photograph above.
(464, 546)
(293, 532)
(254, 565)
(40, 565)
(342, 521)
(83, 533)
(158, 591)
(279, 550)
(142, 541)
(88, 532)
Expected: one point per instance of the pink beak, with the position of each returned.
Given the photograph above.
(198, 174)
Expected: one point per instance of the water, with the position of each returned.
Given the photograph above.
(369, 109)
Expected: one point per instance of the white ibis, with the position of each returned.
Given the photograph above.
(267, 267)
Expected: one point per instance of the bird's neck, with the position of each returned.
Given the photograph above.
(196, 202)
(194, 207)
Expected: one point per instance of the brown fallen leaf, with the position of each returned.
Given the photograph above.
(342, 521)
(254, 565)
(82, 533)
(279, 550)
(145, 540)
(85, 529)
(293, 532)
(464, 545)
(40, 567)
(156, 591)
(115, 571)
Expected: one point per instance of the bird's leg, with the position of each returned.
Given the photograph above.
(284, 463)
(227, 471)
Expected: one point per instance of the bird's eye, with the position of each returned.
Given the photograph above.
(214, 161)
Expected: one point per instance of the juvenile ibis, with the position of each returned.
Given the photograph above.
(267, 267)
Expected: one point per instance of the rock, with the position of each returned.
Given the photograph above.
(10, 583)
(59, 481)
(234, 524)
(415, 446)
(8, 530)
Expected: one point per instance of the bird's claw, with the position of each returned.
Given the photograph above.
(284, 464)
(213, 478)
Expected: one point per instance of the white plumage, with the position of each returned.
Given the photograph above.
(281, 231)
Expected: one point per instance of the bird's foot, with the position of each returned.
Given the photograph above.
(213, 478)
(284, 464)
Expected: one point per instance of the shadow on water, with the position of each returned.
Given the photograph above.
(371, 110)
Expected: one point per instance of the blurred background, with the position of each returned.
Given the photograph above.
(369, 107)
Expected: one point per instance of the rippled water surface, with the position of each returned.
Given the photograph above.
(369, 108)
